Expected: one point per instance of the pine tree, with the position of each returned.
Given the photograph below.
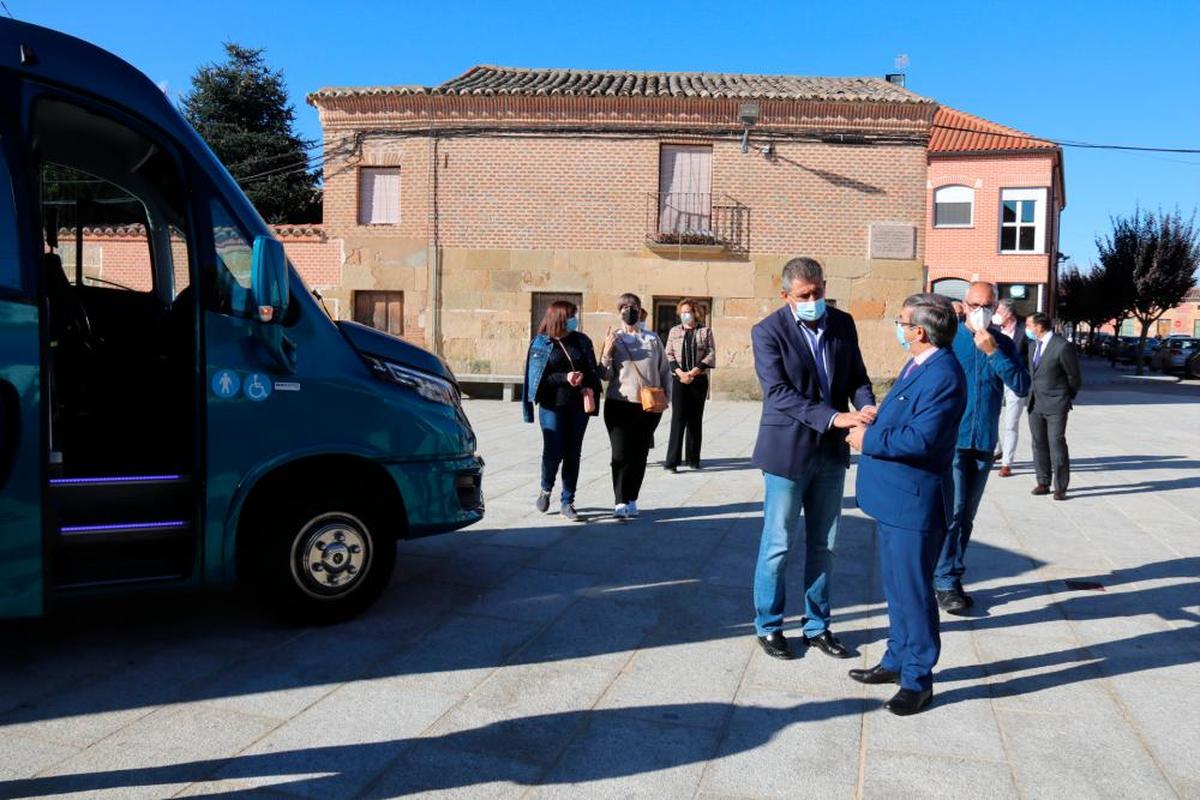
(240, 108)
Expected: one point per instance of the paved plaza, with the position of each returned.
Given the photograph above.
(529, 657)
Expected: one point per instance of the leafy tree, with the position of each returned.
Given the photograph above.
(240, 107)
(1089, 297)
(1150, 261)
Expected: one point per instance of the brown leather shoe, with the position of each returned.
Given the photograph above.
(1005, 472)
(1041, 488)
(1060, 495)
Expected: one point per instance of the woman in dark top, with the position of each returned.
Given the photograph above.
(561, 378)
(692, 353)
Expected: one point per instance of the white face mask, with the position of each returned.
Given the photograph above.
(997, 320)
(979, 319)
(686, 318)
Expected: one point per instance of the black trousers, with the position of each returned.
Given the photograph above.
(630, 431)
(687, 418)
(1049, 438)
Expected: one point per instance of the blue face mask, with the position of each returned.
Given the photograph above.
(1029, 333)
(900, 336)
(572, 324)
(809, 312)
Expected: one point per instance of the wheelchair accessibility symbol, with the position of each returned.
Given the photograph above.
(225, 383)
(257, 387)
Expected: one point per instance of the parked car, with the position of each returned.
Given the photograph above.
(1173, 355)
(1129, 346)
(1099, 344)
(1191, 367)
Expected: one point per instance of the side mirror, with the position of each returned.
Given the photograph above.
(269, 279)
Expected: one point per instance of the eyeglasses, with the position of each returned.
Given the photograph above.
(977, 306)
(904, 324)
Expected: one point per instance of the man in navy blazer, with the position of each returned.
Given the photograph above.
(807, 360)
(905, 482)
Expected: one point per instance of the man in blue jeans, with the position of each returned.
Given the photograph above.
(990, 361)
(807, 359)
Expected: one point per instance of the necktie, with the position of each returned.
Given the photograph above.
(908, 370)
(818, 351)
(1037, 354)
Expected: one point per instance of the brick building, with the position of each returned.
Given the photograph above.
(995, 196)
(463, 209)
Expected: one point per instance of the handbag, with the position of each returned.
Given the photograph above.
(589, 398)
(653, 398)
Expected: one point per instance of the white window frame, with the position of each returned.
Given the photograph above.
(954, 193)
(1038, 198)
(376, 215)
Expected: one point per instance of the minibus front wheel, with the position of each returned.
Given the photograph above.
(328, 559)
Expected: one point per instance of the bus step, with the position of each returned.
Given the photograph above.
(96, 502)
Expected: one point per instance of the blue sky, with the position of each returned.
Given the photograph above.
(1102, 71)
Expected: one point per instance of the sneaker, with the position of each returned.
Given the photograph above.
(543, 502)
(631, 508)
(569, 512)
(621, 511)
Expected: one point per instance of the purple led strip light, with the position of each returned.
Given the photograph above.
(134, 526)
(113, 479)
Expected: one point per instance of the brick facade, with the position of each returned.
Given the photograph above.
(527, 211)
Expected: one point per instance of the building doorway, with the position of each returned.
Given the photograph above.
(542, 300)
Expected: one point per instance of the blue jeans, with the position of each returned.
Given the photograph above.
(819, 494)
(914, 642)
(971, 470)
(562, 443)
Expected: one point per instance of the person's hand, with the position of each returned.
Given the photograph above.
(679, 373)
(855, 437)
(870, 412)
(695, 373)
(850, 419)
(985, 341)
(574, 378)
(609, 338)
(685, 378)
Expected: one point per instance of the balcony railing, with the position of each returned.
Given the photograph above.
(694, 219)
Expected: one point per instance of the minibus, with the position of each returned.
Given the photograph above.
(183, 412)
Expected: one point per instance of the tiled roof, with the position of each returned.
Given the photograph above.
(1193, 295)
(368, 91)
(489, 80)
(956, 131)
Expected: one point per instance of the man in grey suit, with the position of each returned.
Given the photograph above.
(1054, 368)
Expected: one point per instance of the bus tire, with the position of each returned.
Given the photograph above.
(328, 559)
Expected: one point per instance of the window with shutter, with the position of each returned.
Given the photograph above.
(381, 310)
(379, 196)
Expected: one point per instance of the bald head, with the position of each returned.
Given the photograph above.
(981, 293)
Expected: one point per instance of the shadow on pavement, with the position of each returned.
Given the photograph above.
(1174, 603)
(626, 744)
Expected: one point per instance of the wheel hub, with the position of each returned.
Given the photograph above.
(332, 556)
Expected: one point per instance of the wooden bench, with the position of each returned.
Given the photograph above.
(509, 382)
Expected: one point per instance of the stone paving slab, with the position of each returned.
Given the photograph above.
(528, 656)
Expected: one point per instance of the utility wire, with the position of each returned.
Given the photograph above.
(1070, 142)
(4, 5)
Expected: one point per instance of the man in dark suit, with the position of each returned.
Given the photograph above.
(807, 360)
(905, 482)
(1012, 325)
(1054, 368)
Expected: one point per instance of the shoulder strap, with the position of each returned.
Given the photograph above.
(632, 362)
(570, 360)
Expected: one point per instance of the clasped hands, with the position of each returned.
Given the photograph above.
(855, 422)
(689, 376)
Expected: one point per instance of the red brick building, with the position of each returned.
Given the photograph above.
(464, 209)
(995, 196)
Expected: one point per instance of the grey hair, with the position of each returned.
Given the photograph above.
(935, 314)
(1006, 302)
(802, 269)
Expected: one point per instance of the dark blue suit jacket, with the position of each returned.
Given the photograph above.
(795, 417)
(904, 477)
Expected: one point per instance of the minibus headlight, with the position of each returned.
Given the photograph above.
(428, 386)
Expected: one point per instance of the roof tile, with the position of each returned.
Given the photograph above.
(956, 131)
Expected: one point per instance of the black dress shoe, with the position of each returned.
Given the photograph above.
(876, 674)
(828, 644)
(951, 601)
(776, 646)
(907, 702)
(671, 468)
(695, 465)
